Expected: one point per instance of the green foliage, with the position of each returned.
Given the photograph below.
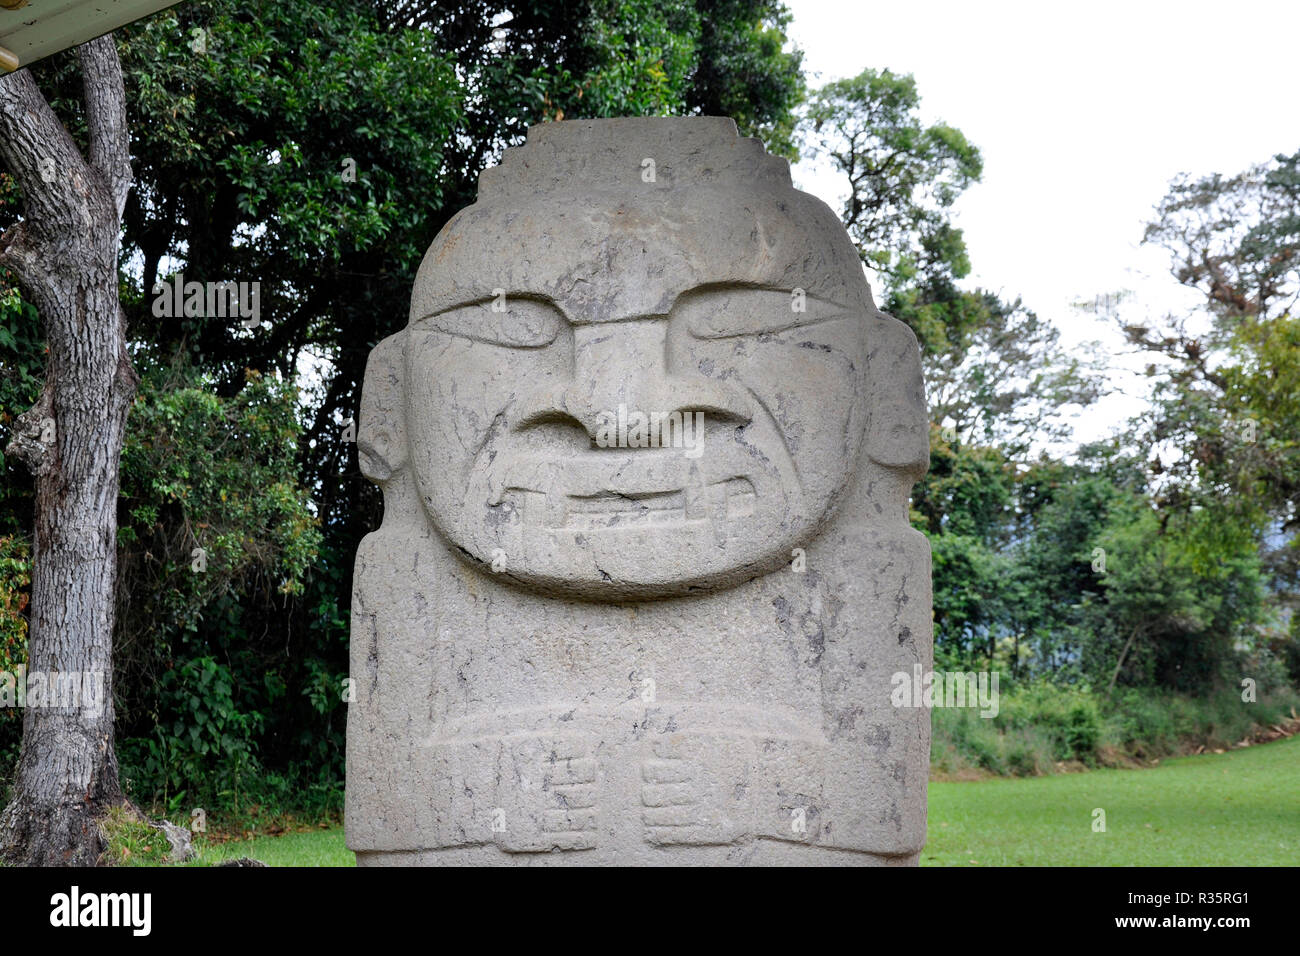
(1042, 727)
(636, 60)
(1037, 726)
(1223, 428)
(1235, 239)
(743, 70)
(1217, 565)
(903, 176)
(1069, 716)
(130, 841)
(315, 147)
(210, 481)
(208, 744)
(242, 174)
(1069, 572)
(22, 368)
(211, 520)
(1153, 722)
(1249, 463)
(995, 372)
(965, 741)
(22, 365)
(307, 64)
(1182, 613)
(15, 579)
(968, 490)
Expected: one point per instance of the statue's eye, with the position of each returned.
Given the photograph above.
(723, 313)
(510, 323)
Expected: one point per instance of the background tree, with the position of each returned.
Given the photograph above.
(1223, 423)
(903, 176)
(64, 253)
(998, 383)
(1223, 431)
(316, 147)
(994, 370)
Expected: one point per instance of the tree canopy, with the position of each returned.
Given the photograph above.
(316, 147)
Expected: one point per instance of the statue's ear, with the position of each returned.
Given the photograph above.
(381, 429)
(899, 434)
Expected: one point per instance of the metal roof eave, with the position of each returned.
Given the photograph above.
(31, 31)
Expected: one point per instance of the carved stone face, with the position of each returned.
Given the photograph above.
(544, 323)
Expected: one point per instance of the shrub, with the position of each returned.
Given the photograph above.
(1039, 725)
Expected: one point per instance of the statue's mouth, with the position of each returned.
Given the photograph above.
(626, 523)
(718, 501)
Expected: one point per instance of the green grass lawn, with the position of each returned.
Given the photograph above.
(312, 848)
(1241, 808)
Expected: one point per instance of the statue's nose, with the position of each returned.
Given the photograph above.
(626, 363)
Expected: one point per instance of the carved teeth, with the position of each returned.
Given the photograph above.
(717, 493)
(697, 503)
(718, 502)
(625, 511)
(535, 509)
(555, 510)
(741, 498)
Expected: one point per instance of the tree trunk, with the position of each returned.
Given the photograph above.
(1119, 665)
(65, 255)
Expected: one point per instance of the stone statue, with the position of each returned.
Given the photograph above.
(645, 570)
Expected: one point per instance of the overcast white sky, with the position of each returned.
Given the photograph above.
(1083, 113)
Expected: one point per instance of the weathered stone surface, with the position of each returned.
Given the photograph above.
(564, 652)
(182, 846)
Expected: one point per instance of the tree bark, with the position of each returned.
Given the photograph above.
(64, 253)
(1119, 665)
